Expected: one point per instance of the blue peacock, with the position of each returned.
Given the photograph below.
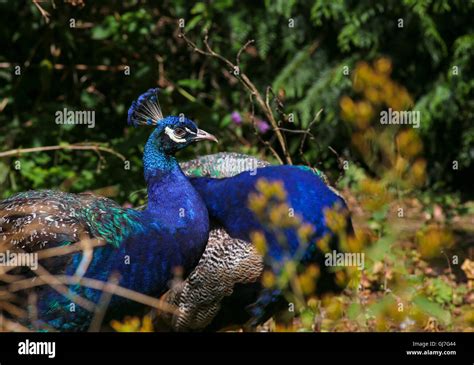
(142, 247)
(225, 289)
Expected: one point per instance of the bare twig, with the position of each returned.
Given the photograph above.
(13, 309)
(340, 164)
(296, 131)
(33, 309)
(43, 12)
(57, 285)
(104, 301)
(92, 147)
(78, 67)
(87, 255)
(264, 142)
(11, 326)
(251, 88)
(279, 104)
(66, 250)
(98, 285)
(303, 140)
(242, 49)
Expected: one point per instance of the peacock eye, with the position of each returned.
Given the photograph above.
(179, 132)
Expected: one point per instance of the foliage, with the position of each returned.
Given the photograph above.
(352, 59)
(307, 63)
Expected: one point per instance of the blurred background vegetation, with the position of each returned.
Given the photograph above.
(303, 64)
(349, 58)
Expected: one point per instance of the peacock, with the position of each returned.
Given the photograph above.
(143, 248)
(225, 287)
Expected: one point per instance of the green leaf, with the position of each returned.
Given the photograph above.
(198, 8)
(101, 32)
(354, 310)
(433, 309)
(193, 22)
(193, 84)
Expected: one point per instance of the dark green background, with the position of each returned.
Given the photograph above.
(437, 35)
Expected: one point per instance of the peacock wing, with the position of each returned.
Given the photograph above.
(35, 220)
(225, 263)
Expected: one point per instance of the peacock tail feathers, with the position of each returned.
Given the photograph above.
(33, 219)
(228, 164)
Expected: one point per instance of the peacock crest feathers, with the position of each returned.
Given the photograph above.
(146, 109)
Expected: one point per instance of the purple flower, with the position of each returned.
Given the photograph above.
(236, 117)
(262, 126)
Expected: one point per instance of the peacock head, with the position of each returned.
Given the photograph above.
(171, 133)
(175, 133)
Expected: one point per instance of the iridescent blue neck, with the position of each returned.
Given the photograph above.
(167, 187)
(156, 162)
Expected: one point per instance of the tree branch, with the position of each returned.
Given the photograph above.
(98, 285)
(243, 78)
(83, 147)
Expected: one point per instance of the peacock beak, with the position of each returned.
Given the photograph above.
(203, 135)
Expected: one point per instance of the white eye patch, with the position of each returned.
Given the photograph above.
(170, 133)
(190, 131)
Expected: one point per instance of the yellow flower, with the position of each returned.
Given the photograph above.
(341, 278)
(361, 142)
(271, 189)
(468, 268)
(307, 280)
(257, 203)
(373, 95)
(133, 324)
(365, 113)
(305, 231)
(400, 167)
(381, 324)
(374, 194)
(259, 241)
(468, 318)
(312, 303)
(409, 143)
(280, 217)
(347, 108)
(357, 242)
(335, 220)
(323, 243)
(432, 240)
(268, 279)
(418, 172)
(333, 306)
(383, 65)
(363, 73)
